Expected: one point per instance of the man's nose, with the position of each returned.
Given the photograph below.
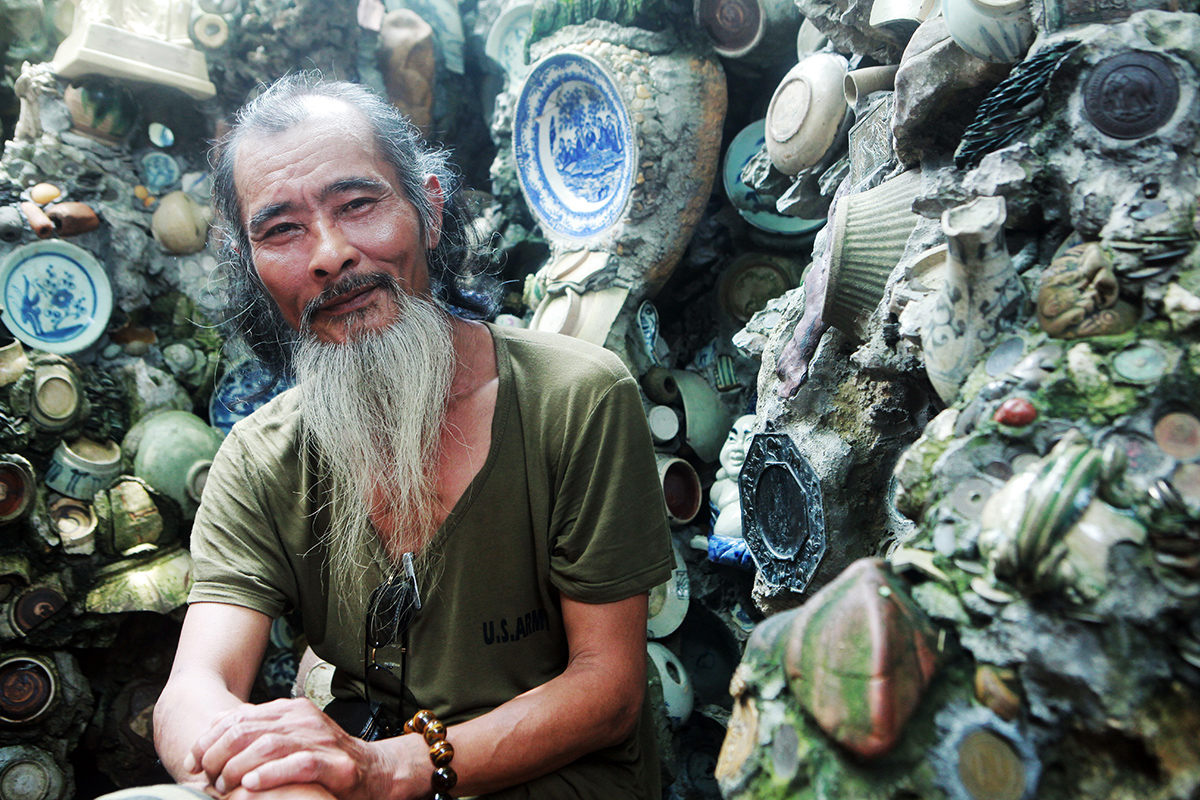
(332, 252)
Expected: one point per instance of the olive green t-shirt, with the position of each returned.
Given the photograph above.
(568, 501)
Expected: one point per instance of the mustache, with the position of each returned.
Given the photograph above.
(348, 284)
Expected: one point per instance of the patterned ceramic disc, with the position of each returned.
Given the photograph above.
(55, 296)
(243, 390)
(756, 209)
(574, 145)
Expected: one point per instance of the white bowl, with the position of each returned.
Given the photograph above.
(805, 112)
(993, 30)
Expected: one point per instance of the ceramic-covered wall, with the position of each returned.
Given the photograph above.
(908, 288)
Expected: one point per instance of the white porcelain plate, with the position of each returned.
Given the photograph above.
(574, 146)
(669, 601)
(506, 40)
(55, 296)
(758, 211)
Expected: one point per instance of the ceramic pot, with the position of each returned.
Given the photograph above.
(992, 30)
(13, 362)
(174, 453)
(806, 112)
(55, 400)
(83, 467)
(131, 523)
(870, 232)
(676, 684)
(75, 521)
(664, 424)
(705, 420)
(179, 224)
(100, 109)
(669, 600)
(981, 296)
(18, 487)
(681, 488)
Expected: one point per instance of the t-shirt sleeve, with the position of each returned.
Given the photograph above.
(236, 551)
(609, 533)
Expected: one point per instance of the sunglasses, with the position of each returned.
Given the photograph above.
(391, 609)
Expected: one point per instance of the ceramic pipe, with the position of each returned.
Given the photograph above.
(860, 83)
(982, 294)
(42, 225)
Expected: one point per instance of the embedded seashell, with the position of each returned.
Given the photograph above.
(859, 656)
(179, 224)
(44, 193)
(72, 219)
(1016, 412)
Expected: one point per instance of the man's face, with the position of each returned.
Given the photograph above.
(324, 212)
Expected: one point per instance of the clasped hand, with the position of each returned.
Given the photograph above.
(292, 742)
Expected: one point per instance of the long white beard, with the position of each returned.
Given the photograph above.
(372, 409)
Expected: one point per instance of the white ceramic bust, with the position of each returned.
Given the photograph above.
(724, 491)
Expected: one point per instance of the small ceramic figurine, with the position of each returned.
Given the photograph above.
(724, 492)
(1079, 296)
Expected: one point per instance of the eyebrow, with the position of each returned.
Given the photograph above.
(264, 215)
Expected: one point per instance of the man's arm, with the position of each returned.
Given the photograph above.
(594, 703)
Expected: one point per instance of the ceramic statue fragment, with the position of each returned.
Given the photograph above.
(1079, 296)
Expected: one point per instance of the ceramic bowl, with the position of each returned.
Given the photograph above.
(174, 453)
(576, 153)
(76, 524)
(806, 112)
(506, 40)
(240, 392)
(55, 296)
(676, 684)
(18, 487)
(681, 488)
(750, 282)
(28, 688)
(993, 30)
(758, 211)
(159, 584)
(669, 600)
(56, 397)
(705, 420)
(83, 467)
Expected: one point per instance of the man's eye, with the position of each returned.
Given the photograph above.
(359, 202)
(281, 228)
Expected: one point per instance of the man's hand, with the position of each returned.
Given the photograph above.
(284, 742)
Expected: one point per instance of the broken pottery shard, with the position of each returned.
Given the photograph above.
(859, 656)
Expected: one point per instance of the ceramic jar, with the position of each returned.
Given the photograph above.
(18, 487)
(992, 30)
(806, 112)
(981, 295)
(174, 453)
(159, 584)
(100, 109)
(30, 773)
(681, 488)
(83, 467)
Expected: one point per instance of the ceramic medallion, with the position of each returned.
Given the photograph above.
(574, 145)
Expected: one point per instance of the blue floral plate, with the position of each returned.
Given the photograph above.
(240, 392)
(574, 145)
(55, 296)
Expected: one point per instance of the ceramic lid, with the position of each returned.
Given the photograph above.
(574, 144)
(55, 296)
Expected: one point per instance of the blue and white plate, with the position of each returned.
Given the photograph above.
(55, 296)
(506, 40)
(757, 210)
(240, 392)
(574, 145)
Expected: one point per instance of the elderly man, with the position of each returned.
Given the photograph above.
(466, 518)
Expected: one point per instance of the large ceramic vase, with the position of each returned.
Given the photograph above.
(981, 296)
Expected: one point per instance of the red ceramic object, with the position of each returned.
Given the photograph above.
(1016, 412)
(859, 656)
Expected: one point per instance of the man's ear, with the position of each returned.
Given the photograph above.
(433, 190)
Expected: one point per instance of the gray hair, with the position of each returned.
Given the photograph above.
(456, 264)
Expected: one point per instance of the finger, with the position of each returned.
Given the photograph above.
(236, 730)
(334, 769)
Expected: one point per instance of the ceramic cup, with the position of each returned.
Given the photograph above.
(18, 487)
(705, 420)
(83, 467)
(676, 683)
(806, 112)
(174, 453)
(56, 397)
(993, 30)
(860, 83)
(76, 523)
(681, 488)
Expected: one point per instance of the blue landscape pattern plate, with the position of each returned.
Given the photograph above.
(55, 296)
(574, 146)
(241, 391)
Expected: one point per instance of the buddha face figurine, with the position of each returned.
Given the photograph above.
(733, 452)
(1079, 296)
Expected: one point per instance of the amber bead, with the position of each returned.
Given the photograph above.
(434, 732)
(441, 753)
(443, 779)
(422, 719)
(408, 727)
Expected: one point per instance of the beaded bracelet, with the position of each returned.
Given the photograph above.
(441, 753)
